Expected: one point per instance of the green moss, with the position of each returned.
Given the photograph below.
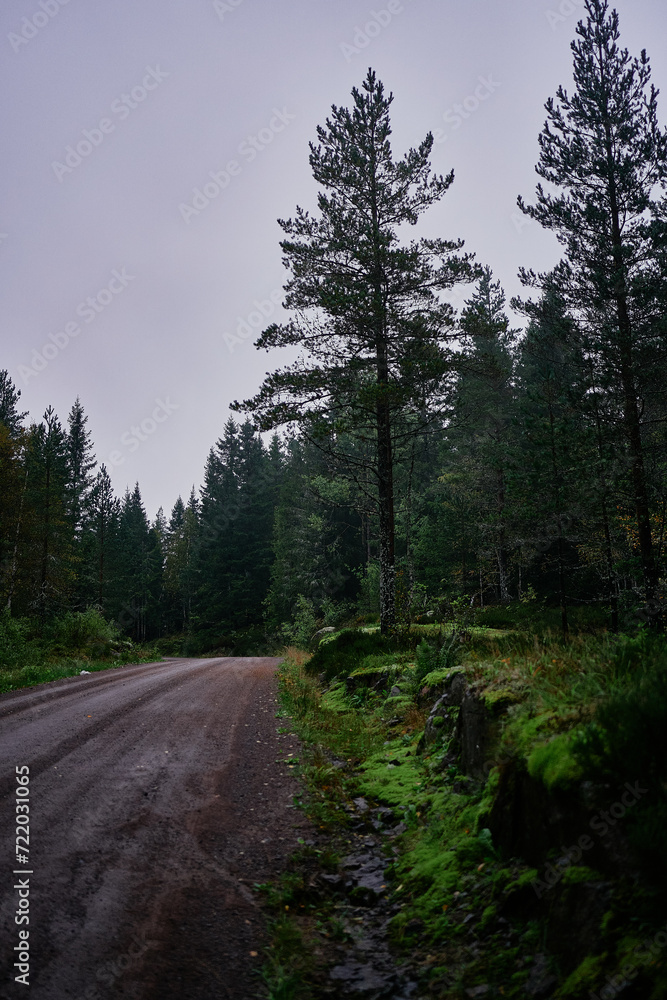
(579, 873)
(585, 976)
(336, 698)
(393, 777)
(524, 879)
(553, 763)
(437, 677)
(496, 700)
(396, 705)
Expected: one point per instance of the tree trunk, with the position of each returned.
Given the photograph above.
(561, 565)
(15, 554)
(609, 552)
(501, 550)
(631, 417)
(45, 542)
(386, 511)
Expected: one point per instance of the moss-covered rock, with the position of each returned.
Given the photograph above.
(553, 763)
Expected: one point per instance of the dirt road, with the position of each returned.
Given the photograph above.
(155, 803)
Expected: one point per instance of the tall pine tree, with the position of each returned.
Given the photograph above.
(605, 153)
(368, 317)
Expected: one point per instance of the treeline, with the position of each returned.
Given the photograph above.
(522, 492)
(429, 462)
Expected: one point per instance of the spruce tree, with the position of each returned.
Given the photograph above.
(135, 570)
(51, 548)
(13, 486)
(9, 397)
(81, 462)
(484, 406)
(101, 541)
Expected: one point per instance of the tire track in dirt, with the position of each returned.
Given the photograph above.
(155, 803)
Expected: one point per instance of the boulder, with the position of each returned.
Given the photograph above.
(320, 634)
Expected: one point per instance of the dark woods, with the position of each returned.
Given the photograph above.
(429, 462)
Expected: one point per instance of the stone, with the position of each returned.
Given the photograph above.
(320, 634)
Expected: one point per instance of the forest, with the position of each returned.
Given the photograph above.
(417, 461)
(447, 516)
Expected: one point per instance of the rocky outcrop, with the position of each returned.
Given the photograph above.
(462, 713)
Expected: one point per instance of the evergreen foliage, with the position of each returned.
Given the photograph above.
(431, 465)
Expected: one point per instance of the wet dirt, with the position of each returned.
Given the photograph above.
(158, 796)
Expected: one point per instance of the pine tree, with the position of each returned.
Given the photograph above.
(101, 541)
(550, 480)
(80, 465)
(603, 148)
(13, 486)
(9, 397)
(51, 555)
(368, 318)
(136, 546)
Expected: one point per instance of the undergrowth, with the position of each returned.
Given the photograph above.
(569, 710)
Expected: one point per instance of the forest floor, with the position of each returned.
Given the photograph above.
(159, 795)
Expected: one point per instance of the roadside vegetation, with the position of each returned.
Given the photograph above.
(34, 653)
(487, 896)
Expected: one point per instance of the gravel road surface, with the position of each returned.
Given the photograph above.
(156, 801)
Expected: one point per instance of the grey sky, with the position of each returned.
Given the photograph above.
(172, 92)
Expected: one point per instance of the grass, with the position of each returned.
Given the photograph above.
(13, 679)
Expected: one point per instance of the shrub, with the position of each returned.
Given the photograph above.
(301, 629)
(13, 640)
(83, 632)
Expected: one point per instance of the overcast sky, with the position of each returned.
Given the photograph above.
(149, 148)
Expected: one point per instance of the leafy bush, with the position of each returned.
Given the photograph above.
(13, 640)
(85, 632)
(334, 613)
(304, 624)
(368, 599)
